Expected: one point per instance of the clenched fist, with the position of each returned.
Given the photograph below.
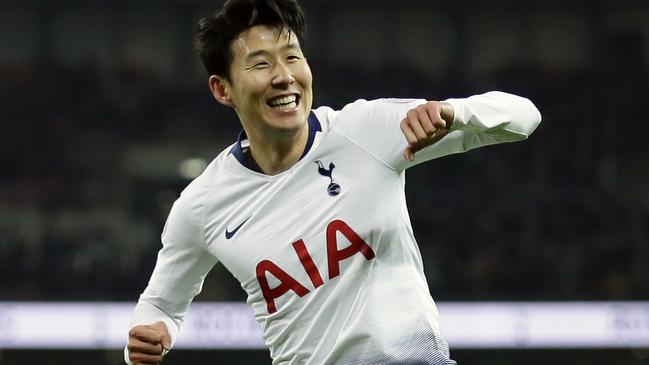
(425, 125)
(147, 344)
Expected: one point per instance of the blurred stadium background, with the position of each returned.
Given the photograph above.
(105, 116)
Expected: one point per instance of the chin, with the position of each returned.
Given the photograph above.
(290, 123)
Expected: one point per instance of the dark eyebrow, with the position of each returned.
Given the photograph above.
(263, 52)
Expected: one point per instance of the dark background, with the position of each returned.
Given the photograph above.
(101, 101)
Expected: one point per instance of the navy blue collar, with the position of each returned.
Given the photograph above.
(243, 155)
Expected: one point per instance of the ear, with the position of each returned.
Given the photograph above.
(220, 88)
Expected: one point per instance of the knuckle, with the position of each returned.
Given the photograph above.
(432, 108)
(135, 331)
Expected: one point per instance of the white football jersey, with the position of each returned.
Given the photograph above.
(324, 250)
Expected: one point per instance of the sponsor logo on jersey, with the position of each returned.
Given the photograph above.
(229, 234)
(355, 245)
(333, 189)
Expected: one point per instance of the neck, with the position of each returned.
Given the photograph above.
(279, 152)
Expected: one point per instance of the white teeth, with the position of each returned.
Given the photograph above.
(283, 101)
(288, 106)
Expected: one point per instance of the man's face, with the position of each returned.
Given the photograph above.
(271, 81)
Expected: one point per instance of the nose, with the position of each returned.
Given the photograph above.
(283, 76)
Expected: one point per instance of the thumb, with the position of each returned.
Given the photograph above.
(166, 342)
(165, 339)
(409, 154)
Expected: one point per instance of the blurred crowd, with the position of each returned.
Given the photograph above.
(562, 216)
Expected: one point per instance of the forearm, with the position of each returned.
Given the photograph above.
(504, 117)
(476, 121)
(178, 275)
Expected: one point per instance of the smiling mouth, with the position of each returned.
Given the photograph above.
(282, 103)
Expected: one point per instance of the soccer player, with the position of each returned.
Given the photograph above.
(307, 209)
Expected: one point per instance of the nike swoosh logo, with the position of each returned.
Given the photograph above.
(229, 234)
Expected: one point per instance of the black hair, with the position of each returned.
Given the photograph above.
(215, 34)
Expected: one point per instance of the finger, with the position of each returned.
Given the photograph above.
(410, 151)
(166, 342)
(135, 345)
(408, 133)
(138, 358)
(408, 154)
(425, 121)
(441, 133)
(165, 339)
(145, 363)
(419, 146)
(434, 138)
(434, 113)
(146, 334)
(415, 125)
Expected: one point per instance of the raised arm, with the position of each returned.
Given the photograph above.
(392, 130)
(457, 125)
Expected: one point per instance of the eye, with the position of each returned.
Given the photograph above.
(293, 58)
(261, 65)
